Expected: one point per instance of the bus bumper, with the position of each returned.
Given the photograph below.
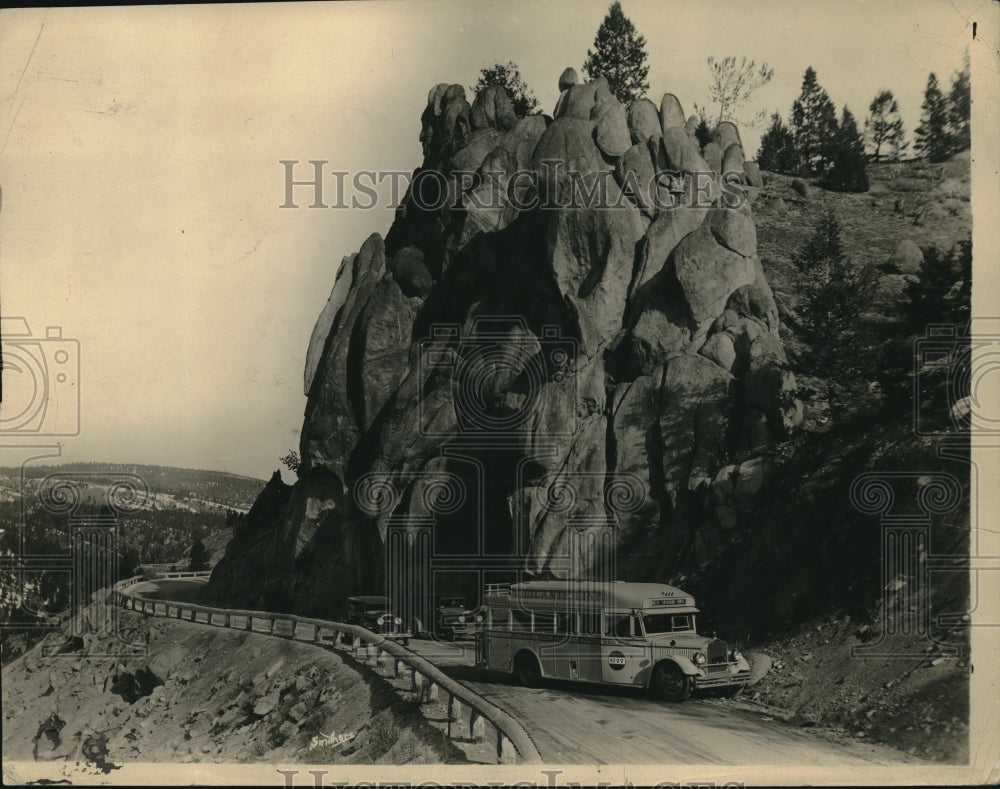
(721, 680)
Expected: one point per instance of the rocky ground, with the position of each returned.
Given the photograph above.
(208, 695)
(919, 706)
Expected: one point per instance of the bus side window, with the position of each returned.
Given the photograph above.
(522, 619)
(619, 625)
(563, 621)
(590, 623)
(544, 622)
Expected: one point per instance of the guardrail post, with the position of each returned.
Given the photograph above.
(417, 680)
(383, 658)
(271, 628)
(338, 639)
(397, 667)
(477, 726)
(294, 625)
(227, 620)
(432, 694)
(506, 754)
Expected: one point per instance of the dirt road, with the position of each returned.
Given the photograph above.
(574, 723)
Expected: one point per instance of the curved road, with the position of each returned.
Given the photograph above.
(575, 723)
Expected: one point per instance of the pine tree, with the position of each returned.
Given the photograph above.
(619, 56)
(849, 168)
(835, 292)
(508, 76)
(942, 292)
(933, 139)
(733, 83)
(703, 133)
(884, 127)
(777, 148)
(814, 125)
(960, 109)
(199, 556)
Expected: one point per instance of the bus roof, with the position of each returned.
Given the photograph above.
(621, 594)
(369, 599)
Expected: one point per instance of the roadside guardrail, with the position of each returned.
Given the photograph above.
(513, 743)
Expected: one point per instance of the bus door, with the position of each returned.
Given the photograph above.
(496, 645)
(623, 650)
(589, 657)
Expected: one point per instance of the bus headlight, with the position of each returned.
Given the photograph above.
(381, 619)
(736, 655)
(398, 621)
(461, 619)
(479, 619)
(699, 659)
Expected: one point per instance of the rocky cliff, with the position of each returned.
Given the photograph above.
(567, 327)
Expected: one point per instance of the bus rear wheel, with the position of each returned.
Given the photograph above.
(670, 683)
(527, 670)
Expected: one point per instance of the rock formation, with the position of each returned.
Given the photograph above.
(579, 336)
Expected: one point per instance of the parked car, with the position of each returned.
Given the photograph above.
(372, 612)
(470, 621)
(448, 616)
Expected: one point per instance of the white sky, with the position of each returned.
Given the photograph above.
(139, 153)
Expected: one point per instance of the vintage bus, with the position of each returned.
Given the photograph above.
(639, 634)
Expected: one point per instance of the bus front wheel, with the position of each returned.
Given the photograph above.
(670, 683)
(527, 670)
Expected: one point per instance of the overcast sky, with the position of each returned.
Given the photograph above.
(139, 166)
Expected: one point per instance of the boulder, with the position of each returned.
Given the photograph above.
(733, 161)
(470, 156)
(681, 154)
(643, 120)
(721, 350)
(568, 79)
(331, 427)
(612, 133)
(756, 300)
(592, 255)
(566, 146)
(662, 237)
(410, 272)
(672, 114)
(709, 273)
(635, 175)
(456, 122)
(578, 101)
(907, 257)
(734, 229)
(752, 172)
(771, 390)
(436, 96)
(713, 157)
(726, 134)
(321, 331)
(492, 109)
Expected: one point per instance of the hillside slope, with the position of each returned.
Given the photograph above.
(207, 695)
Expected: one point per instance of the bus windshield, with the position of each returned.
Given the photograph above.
(666, 623)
